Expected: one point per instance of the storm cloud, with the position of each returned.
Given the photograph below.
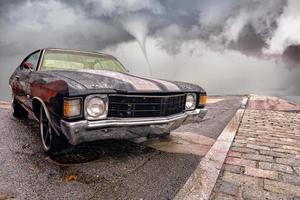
(252, 28)
(272, 26)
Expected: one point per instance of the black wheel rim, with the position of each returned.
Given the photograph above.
(46, 132)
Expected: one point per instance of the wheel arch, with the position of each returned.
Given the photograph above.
(37, 102)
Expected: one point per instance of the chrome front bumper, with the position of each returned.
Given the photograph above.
(121, 128)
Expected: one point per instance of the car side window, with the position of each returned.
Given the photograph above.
(33, 59)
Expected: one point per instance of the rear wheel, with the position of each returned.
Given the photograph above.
(18, 111)
(51, 142)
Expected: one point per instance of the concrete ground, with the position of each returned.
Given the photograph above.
(154, 169)
(264, 159)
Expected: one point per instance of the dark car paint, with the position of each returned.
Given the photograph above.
(80, 82)
(53, 86)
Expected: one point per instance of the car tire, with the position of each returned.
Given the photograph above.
(18, 111)
(164, 135)
(161, 136)
(51, 142)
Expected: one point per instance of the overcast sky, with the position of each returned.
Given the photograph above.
(228, 46)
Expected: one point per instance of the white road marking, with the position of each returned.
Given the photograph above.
(182, 142)
(213, 100)
(5, 105)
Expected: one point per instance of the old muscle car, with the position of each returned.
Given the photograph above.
(81, 96)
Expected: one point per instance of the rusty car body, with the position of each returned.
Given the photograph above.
(81, 96)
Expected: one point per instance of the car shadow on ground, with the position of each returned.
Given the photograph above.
(105, 149)
(89, 151)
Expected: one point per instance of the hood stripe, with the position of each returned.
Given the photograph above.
(137, 83)
(170, 86)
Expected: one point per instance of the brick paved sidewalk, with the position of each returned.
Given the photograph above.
(264, 159)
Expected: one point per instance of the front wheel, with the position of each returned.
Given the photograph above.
(161, 136)
(18, 111)
(164, 135)
(51, 142)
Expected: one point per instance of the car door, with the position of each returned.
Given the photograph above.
(20, 83)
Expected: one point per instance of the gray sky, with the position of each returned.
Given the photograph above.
(228, 46)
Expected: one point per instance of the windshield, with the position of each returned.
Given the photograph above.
(64, 60)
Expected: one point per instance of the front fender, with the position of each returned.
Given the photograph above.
(37, 102)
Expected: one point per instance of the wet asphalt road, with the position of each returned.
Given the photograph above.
(98, 170)
(218, 116)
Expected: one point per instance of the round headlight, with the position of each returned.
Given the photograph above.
(95, 107)
(190, 102)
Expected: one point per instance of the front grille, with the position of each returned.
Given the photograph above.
(145, 105)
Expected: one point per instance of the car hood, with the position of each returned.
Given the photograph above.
(120, 82)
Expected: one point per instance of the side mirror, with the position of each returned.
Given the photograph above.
(27, 65)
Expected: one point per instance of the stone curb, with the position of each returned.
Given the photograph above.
(202, 181)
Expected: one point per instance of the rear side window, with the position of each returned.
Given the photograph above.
(33, 59)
